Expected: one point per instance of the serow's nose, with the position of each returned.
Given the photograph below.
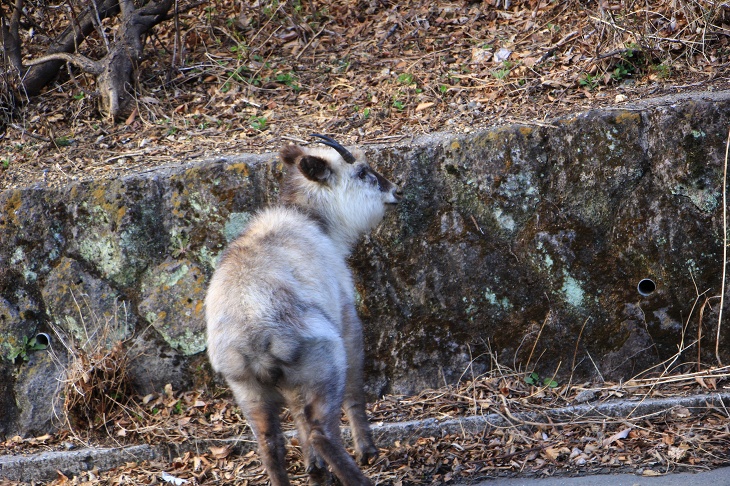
(398, 194)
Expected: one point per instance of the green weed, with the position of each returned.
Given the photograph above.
(23, 348)
(662, 71)
(258, 123)
(504, 71)
(240, 50)
(589, 81)
(406, 78)
(535, 380)
(622, 71)
(288, 79)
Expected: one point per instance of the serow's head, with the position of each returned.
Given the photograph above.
(337, 186)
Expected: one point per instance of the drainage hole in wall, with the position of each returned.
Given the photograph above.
(43, 339)
(646, 287)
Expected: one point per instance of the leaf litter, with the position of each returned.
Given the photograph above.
(250, 76)
(206, 428)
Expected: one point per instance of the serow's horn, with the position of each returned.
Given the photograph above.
(330, 142)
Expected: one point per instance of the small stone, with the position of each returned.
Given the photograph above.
(585, 396)
(620, 98)
(502, 55)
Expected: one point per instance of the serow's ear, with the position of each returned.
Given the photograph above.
(314, 168)
(290, 153)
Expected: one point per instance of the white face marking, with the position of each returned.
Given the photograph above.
(361, 196)
(352, 199)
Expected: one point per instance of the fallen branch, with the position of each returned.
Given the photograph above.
(82, 62)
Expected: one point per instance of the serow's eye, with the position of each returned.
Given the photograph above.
(363, 174)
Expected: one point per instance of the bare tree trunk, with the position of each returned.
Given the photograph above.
(116, 81)
(38, 76)
(12, 60)
(115, 72)
(11, 40)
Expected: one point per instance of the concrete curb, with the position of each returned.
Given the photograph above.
(45, 466)
(387, 434)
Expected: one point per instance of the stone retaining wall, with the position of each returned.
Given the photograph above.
(526, 242)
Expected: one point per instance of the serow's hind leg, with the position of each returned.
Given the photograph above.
(262, 415)
(354, 402)
(314, 465)
(323, 417)
(362, 438)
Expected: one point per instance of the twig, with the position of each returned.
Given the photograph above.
(512, 454)
(177, 45)
(723, 372)
(595, 366)
(575, 351)
(555, 47)
(475, 223)
(294, 139)
(299, 54)
(121, 156)
(425, 56)
(88, 65)
(387, 36)
(698, 83)
(724, 250)
(30, 134)
(699, 325)
(652, 37)
(96, 20)
(699, 333)
(534, 345)
(385, 139)
(612, 53)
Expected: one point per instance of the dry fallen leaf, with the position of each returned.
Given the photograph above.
(651, 473)
(617, 436)
(220, 452)
(132, 116)
(366, 49)
(681, 412)
(552, 453)
(676, 453)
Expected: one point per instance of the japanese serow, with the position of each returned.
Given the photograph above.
(280, 310)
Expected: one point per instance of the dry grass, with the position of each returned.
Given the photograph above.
(95, 385)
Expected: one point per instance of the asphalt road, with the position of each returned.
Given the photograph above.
(717, 477)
